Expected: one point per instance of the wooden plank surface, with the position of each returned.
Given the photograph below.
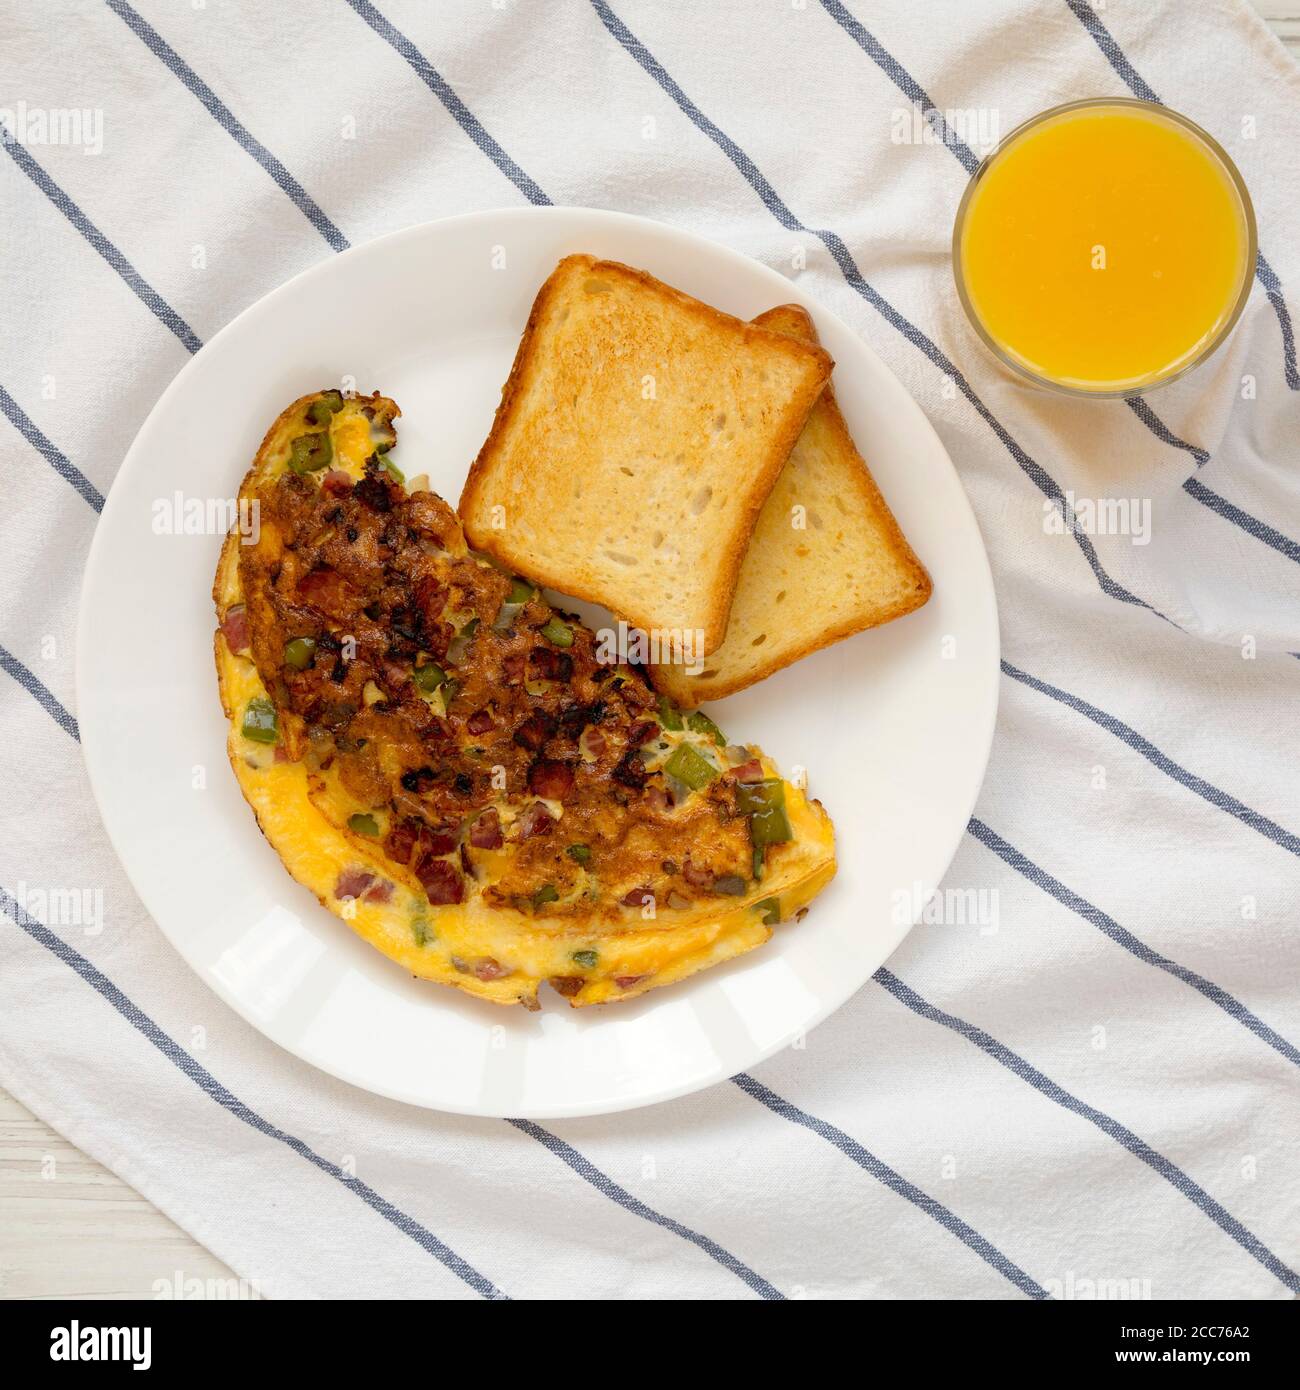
(70, 1229)
(1283, 18)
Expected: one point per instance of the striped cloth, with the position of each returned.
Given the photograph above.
(1093, 1094)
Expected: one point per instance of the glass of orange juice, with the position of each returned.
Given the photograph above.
(1105, 247)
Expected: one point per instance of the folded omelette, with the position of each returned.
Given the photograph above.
(452, 767)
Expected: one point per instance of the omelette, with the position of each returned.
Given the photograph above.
(455, 768)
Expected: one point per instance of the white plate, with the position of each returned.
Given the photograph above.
(894, 726)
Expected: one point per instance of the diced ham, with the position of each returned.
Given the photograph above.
(696, 877)
(485, 833)
(436, 842)
(657, 798)
(485, 968)
(535, 820)
(551, 778)
(751, 771)
(397, 678)
(640, 733)
(480, 722)
(357, 883)
(567, 985)
(336, 482)
(441, 881)
(234, 627)
(400, 841)
(352, 883)
(627, 981)
(535, 730)
(638, 897)
(328, 591)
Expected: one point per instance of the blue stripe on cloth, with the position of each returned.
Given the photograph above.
(1198, 492)
(461, 113)
(1133, 80)
(1270, 829)
(1234, 1008)
(226, 118)
(913, 90)
(1261, 530)
(588, 1171)
(1162, 432)
(57, 460)
(143, 290)
(1138, 1147)
(850, 1147)
(1137, 84)
(36, 689)
(1267, 277)
(849, 269)
(904, 81)
(212, 1088)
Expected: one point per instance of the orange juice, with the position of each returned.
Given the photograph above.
(1105, 247)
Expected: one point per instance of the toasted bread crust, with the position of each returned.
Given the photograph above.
(730, 546)
(689, 691)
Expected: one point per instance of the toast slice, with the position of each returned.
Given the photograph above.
(637, 438)
(810, 576)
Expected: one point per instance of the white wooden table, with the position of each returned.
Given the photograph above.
(70, 1229)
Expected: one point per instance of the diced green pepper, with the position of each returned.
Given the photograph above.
(669, 715)
(702, 724)
(731, 884)
(690, 766)
(520, 591)
(770, 827)
(420, 930)
(759, 851)
(581, 854)
(390, 467)
(309, 453)
(428, 678)
(557, 632)
(298, 653)
(771, 910)
(764, 804)
(545, 894)
(329, 403)
(259, 721)
(363, 824)
(586, 959)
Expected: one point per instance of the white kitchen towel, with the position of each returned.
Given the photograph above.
(1099, 1097)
